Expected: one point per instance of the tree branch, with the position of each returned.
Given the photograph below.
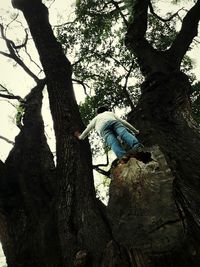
(30, 58)
(81, 83)
(99, 170)
(7, 140)
(138, 26)
(65, 23)
(12, 47)
(102, 164)
(186, 35)
(116, 4)
(160, 18)
(9, 95)
(135, 38)
(125, 86)
(106, 173)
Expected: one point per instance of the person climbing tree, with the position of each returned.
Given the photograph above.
(110, 127)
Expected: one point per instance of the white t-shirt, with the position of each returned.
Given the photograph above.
(101, 119)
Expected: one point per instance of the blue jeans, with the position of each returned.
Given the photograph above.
(114, 129)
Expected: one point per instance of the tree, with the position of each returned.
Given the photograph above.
(49, 213)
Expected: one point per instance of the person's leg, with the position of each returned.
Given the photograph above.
(111, 140)
(125, 135)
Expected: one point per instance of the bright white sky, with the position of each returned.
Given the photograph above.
(15, 79)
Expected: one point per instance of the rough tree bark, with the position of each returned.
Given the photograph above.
(163, 115)
(49, 215)
(72, 220)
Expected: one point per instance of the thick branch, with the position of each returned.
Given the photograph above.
(135, 38)
(8, 95)
(11, 97)
(99, 170)
(186, 35)
(138, 26)
(103, 172)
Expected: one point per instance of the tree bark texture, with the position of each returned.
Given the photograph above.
(27, 194)
(49, 213)
(76, 221)
(164, 109)
(164, 117)
(155, 226)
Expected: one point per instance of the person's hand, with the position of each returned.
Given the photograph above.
(77, 134)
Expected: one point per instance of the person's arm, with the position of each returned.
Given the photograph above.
(127, 125)
(85, 133)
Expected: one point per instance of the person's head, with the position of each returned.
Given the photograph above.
(102, 109)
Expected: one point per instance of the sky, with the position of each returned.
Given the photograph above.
(15, 79)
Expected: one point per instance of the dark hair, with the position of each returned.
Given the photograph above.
(102, 109)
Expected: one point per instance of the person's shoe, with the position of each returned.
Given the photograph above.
(137, 148)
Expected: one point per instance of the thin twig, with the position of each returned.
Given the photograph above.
(116, 4)
(160, 18)
(125, 86)
(29, 56)
(11, 47)
(83, 84)
(7, 140)
(51, 4)
(14, 19)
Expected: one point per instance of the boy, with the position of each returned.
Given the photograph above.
(109, 126)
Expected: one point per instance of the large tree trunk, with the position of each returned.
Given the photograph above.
(49, 214)
(163, 115)
(27, 190)
(163, 112)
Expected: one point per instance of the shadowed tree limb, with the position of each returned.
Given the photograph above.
(138, 26)
(6, 94)
(101, 171)
(11, 97)
(186, 35)
(135, 38)
(147, 56)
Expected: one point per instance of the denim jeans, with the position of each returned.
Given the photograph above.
(114, 129)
